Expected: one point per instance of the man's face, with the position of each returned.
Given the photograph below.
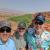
(5, 33)
(21, 31)
(39, 28)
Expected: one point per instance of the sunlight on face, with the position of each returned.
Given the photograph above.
(5, 37)
(39, 28)
(21, 32)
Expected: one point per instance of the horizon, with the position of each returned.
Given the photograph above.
(26, 5)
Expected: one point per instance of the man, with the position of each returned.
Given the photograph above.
(20, 36)
(6, 42)
(41, 40)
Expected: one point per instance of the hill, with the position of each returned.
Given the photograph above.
(6, 13)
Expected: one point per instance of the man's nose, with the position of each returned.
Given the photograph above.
(38, 26)
(5, 32)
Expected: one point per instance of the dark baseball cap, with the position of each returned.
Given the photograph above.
(40, 19)
(5, 23)
(5, 26)
(22, 25)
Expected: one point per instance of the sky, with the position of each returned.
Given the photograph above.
(26, 5)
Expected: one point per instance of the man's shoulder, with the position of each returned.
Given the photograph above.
(11, 40)
(46, 32)
(46, 35)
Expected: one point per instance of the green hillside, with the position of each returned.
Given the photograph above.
(27, 18)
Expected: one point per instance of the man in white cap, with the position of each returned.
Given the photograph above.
(6, 42)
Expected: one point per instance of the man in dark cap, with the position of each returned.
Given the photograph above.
(20, 36)
(6, 42)
(41, 40)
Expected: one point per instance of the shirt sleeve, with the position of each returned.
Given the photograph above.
(30, 47)
(47, 42)
(48, 38)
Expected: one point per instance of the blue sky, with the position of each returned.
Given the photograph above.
(26, 5)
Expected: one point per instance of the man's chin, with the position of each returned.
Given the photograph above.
(21, 35)
(4, 41)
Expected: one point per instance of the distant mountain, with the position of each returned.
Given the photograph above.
(10, 12)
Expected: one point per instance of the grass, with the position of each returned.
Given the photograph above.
(27, 18)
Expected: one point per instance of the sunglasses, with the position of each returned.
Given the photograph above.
(5, 28)
(40, 23)
(21, 28)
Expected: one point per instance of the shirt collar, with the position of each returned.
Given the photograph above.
(1, 43)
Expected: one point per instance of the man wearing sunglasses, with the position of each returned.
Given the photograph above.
(6, 42)
(41, 40)
(20, 36)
